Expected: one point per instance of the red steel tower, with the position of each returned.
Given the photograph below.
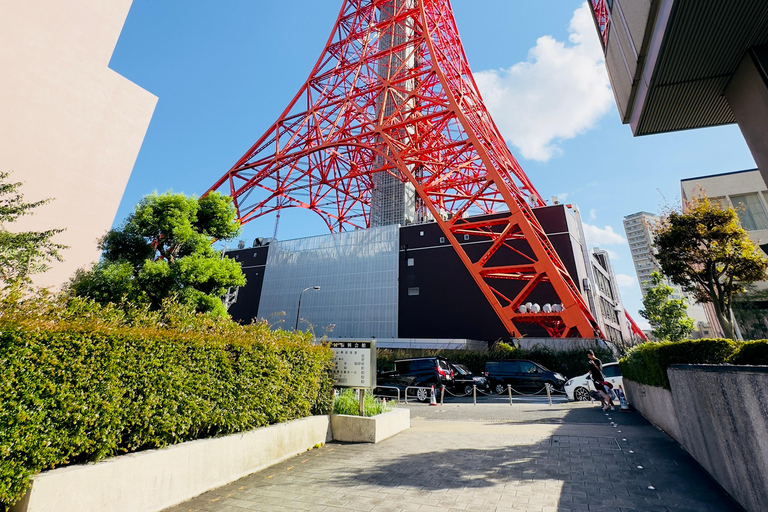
(390, 128)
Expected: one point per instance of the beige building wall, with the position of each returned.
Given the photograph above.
(745, 191)
(70, 127)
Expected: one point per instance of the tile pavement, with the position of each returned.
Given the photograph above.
(487, 459)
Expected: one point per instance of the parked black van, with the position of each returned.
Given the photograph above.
(423, 372)
(522, 375)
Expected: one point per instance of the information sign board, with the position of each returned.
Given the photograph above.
(354, 364)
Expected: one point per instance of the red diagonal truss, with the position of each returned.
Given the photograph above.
(603, 19)
(637, 332)
(392, 98)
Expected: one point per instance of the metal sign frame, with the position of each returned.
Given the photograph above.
(340, 348)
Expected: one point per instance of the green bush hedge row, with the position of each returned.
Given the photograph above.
(73, 393)
(570, 363)
(751, 353)
(647, 363)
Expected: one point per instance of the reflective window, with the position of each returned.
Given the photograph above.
(750, 210)
(357, 272)
(510, 367)
(527, 367)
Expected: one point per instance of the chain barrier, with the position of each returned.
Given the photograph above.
(539, 392)
(490, 392)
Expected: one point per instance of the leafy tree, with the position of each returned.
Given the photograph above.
(667, 316)
(164, 250)
(26, 253)
(710, 255)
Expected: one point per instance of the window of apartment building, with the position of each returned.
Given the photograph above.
(750, 210)
(722, 202)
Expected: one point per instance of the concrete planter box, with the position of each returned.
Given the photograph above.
(156, 479)
(359, 429)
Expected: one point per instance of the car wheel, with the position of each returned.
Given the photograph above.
(467, 389)
(581, 394)
(422, 395)
(500, 389)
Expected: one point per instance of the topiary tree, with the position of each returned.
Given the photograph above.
(667, 316)
(164, 249)
(24, 253)
(710, 255)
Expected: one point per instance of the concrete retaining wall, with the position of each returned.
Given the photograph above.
(723, 413)
(655, 404)
(373, 429)
(156, 479)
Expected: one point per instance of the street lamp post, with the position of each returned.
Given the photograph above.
(298, 310)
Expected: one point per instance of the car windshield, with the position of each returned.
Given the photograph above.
(461, 369)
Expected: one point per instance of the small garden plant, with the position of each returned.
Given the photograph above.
(347, 403)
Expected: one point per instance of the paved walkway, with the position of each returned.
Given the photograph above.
(528, 457)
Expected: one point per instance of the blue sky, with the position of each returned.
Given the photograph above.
(224, 71)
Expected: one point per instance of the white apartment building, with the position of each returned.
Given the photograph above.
(608, 304)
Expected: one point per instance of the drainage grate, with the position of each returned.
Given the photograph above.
(604, 443)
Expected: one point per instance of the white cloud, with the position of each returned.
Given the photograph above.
(625, 281)
(561, 91)
(593, 214)
(611, 254)
(599, 237)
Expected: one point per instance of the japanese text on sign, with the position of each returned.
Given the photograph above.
(354, 364)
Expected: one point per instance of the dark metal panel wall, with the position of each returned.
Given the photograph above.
(439, 310)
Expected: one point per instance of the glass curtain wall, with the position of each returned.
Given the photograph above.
(357, 273)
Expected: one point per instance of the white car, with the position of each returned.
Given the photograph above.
(579, 388)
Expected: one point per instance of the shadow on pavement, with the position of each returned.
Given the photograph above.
(590, 468)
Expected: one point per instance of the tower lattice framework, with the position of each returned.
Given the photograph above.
(390, 118)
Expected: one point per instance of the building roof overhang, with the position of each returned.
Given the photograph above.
(692, 53)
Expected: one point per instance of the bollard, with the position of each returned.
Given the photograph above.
(509, 390)
(474, 393)
(442, 395)
(549, 394)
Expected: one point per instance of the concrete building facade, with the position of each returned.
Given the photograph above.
(70, 127)
(747, 193)
(608, 304)
(681, 64)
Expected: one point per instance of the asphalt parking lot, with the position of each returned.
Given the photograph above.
(565, 457)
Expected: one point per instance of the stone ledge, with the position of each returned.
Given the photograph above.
(359, 429)
(153, 480)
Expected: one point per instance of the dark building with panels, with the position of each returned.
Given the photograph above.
(393, 283)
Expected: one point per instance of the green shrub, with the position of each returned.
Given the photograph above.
(751, 353)
(568, 362)
(80, 382)
(347, 403)
(647, 363)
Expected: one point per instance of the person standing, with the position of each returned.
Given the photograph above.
(596, 370)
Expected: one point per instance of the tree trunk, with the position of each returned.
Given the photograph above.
(725, 322)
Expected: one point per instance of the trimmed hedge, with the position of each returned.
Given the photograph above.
(647, 363)
(73, 392)
(751, 353)
(570, 363)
